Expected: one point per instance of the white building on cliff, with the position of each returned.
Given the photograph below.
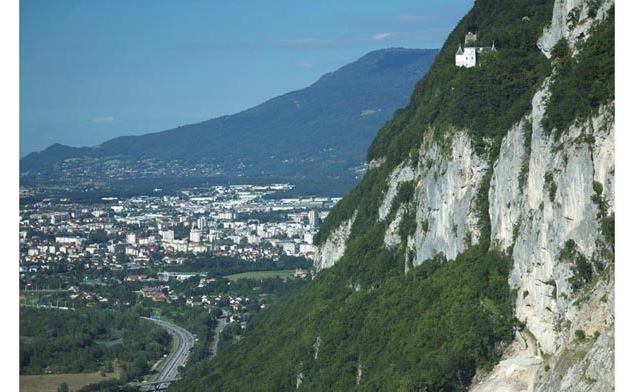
(468, 57)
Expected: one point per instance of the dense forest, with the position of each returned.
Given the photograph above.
(65, 341)
(432, 329)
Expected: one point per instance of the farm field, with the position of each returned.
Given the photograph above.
(260, 275)
(50, 382)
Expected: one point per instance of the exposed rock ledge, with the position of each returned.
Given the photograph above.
(333, 249)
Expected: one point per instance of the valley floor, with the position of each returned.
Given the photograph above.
(50, 382)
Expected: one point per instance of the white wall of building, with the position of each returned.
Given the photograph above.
(467, 59)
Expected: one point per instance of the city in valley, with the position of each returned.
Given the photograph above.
(202, 261)
(408, 196)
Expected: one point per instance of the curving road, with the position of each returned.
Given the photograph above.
(183, 341)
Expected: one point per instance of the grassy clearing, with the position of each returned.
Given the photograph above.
(261, 275)
(50, 382)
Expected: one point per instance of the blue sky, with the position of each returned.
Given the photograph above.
(93, 70)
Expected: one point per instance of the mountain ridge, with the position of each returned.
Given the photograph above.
(331, 121)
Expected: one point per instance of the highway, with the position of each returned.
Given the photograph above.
(183, 341)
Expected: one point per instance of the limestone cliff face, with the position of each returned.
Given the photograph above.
(548, 193)
(544, 194)
(333, 249)
(446, 192)
(536, 221)
(533, 223)
(447, 178)
(402, 173)
(572, 20)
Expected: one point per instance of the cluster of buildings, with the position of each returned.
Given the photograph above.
(84, 170)
(240, 221)
(68, 298)
(469, 56)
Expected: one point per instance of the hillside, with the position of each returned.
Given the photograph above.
(322, 130)
(477, 251)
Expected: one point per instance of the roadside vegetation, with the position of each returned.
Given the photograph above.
(65, 341)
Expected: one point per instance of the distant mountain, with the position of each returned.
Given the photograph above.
(322, 130)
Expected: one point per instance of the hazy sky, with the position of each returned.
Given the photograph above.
(92, 70)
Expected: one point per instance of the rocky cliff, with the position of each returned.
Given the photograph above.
(549, 195)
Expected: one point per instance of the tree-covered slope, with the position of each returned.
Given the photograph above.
(384, 318)
(323, 129)
(429, 329)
